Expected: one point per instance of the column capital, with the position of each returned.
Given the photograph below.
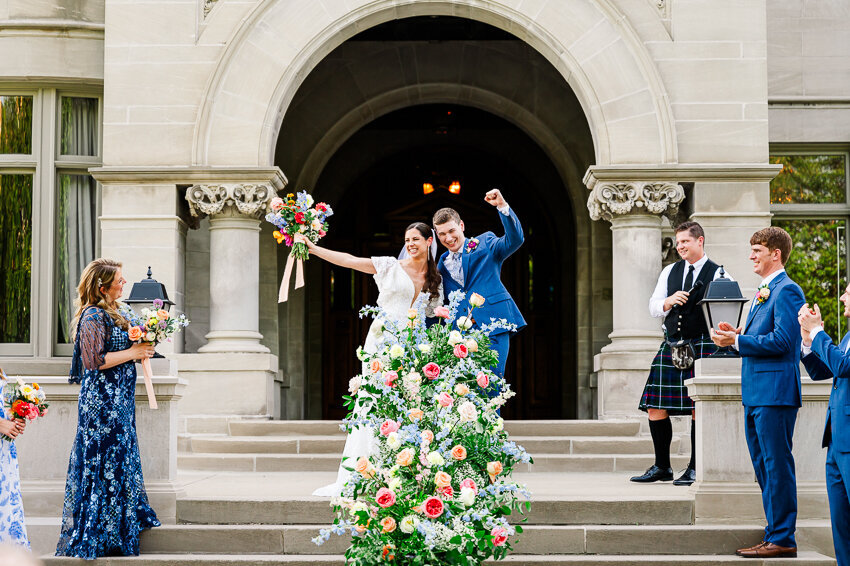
(240, 199)
(611, 199)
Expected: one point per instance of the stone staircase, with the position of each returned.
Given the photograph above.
(246, 501)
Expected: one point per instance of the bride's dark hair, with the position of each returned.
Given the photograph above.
(432, 276)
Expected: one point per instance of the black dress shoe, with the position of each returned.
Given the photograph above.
(688, 477)
(654, 473)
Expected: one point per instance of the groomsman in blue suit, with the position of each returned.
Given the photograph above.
(825, 360)
(474, 265)
(769, 344)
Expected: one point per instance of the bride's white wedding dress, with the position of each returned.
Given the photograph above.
(396, 294)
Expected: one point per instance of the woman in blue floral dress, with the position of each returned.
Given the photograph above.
(12, 526)
(106, 506)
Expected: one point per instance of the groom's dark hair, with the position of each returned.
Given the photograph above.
(446, 215)
(774, 238)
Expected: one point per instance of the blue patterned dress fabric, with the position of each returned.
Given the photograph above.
(106, 506)
(12, 527)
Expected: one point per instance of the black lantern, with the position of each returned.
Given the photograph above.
(145, 292)
(723, 302)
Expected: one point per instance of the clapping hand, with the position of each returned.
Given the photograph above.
(725, 334)
(809, 319)
(494, 197)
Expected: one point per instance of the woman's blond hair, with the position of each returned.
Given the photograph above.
(96, 278)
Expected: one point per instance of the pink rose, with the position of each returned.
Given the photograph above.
(277, 203)
(447, 492)
(461, 351)
(389, 426)
(385, 497)
(482, 380)
(433, 507)
(322, 233)
(441, 312)
(445, 399)
(389, 378)
(431, 370)
(470, 483)
(500, 536)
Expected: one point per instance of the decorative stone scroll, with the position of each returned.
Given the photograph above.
(247, 199)
(608, 200)
(208, 6)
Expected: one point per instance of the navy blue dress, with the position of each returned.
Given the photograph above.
(106, 506)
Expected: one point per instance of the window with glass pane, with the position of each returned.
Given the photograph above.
(79, 126)
(818, 263)
(809, 179)
(76, 197)
(15, 257)
(15, 124)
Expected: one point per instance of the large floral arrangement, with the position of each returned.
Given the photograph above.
(299, 215)
(153, 325)
(24, 401)
(438, 488)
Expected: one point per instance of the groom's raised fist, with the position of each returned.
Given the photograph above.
(494, 197)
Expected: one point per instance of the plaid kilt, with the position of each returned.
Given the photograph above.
(665, 386)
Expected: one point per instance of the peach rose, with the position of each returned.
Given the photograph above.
(472, 345)
(412, 314)
(405, 457)
(461, 351)
(482, 380)
(442, 479)
(441, 312)
(277, 203)
(375, 366)
(427, 436)
(461, 389)
(494, 469)
(388, 525)
(134, 333)
(445, 400)
(162, 314)
(415, 414)
(459, 452)
(476, 300)
(364, 468)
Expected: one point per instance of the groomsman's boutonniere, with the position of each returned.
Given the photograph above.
(471, 245)
(763, 294)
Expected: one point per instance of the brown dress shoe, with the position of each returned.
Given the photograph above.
(770, 550)
(759, 545)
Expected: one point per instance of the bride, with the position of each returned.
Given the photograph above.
(412, 281)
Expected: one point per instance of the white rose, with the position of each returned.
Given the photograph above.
(396, 351)
(467, 496)
(393, 441)
(359, 506)
(394, 484)
(436, 459)
(316, 224)
(409, 524)
(354, 384)
(500, 424)
(464, 322)
(468, 412)
(150, 337)
(455, 337)
(146, 312)
(424, 348)
(472, 345)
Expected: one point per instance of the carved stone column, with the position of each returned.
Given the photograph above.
(634, 209)
(235, 211)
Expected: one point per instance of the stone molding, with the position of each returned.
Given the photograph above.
(608, 200)
(682, 173)
(247, 199)
(158, 174)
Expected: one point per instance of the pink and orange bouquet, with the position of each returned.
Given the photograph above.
(299, 215)
(154, 325)
(24, 401)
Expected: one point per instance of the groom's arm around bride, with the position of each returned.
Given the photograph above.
(474, 265)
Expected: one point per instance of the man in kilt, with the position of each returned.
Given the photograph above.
(680, 288)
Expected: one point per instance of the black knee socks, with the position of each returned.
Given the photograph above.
(693, 462)
(662, 435)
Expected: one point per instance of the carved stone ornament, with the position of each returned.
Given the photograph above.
(208, 6)
(608, 200)
(247, 199)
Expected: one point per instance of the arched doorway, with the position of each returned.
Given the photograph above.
(379, 173)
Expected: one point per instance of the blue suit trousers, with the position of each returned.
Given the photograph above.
(838, 490)
(770, 431)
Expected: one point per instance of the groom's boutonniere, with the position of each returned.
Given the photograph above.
(763, 294)
(471, 245)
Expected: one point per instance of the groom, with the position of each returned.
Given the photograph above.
(474, 265)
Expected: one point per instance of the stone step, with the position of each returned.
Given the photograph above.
(536, 539)
(314, 462)
(646, 510)
(519, 428)
(316, 444)
(804, 559)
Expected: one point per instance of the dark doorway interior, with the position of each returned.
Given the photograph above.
(377, 177)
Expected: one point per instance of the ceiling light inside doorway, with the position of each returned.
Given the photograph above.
(454, 188)
(427, 188)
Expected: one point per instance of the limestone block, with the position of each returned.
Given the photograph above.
(82, 10)
(719, 20)
(785, 75)
(707, 111)
(663, 50)
(800, 124)
(54, 54)
(147, 144)
(714, 80)
(718, 141)
(621, 377)
(152, 22)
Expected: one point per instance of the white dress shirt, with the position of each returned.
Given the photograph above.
(656, 301)
(812, 333)
(454, 261)
(765, 281)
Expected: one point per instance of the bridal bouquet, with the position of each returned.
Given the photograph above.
(152, 326)
(438, 489)
(23, 401)
(297, 215)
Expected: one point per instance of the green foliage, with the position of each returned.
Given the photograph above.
(15, 257)
(807, 179)
(16, 124)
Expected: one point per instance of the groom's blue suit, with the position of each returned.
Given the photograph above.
(770, 391)
(827, 362)
(482, 268)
